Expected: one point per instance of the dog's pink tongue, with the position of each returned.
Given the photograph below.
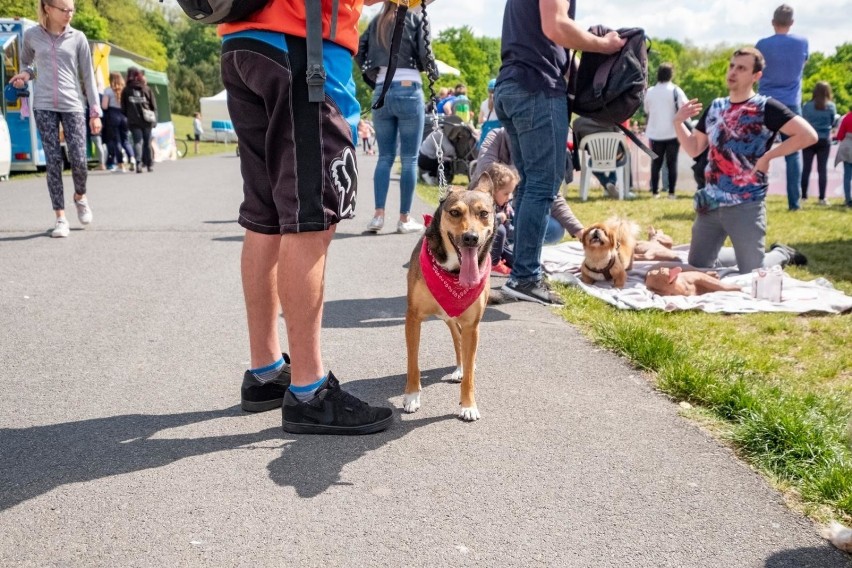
(673, 272)
(469, 271)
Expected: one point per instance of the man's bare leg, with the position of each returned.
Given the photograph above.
(259, 266)
(301, 286)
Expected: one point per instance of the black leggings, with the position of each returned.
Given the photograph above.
(667, 149)
(820, 149)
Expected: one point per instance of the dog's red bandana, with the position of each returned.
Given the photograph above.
(444, 285)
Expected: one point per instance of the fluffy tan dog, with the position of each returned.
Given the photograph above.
(839, 536)
(608, 249)
(674, 281)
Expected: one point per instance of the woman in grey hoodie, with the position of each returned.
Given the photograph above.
(57, 60)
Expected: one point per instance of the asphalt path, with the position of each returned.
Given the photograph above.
(122, 442)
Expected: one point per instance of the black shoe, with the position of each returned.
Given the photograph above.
(796, 258)
(333, 411)
(532, 292)
(260, 397)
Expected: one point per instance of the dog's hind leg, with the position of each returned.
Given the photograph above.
(469, 343)
(455, 330)
(411, 399)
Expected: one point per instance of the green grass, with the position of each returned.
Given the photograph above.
(183, 126)
(777, 386)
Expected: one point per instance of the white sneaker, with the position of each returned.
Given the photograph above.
(822, 202)
(376, 224)
(428, 179)
(672, 196)
(84, 212)
(410, 226)
(61, 229)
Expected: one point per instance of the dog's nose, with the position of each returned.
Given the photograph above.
(470, 239)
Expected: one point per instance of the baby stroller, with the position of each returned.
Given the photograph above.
(462, 138)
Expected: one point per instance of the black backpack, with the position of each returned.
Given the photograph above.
(611, 88)
(220, 11)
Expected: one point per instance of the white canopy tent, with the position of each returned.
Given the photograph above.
(213, 108)
(444, 69)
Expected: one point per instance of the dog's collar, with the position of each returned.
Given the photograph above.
(605, 271)
(444, 285)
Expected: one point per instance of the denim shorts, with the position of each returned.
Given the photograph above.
(297, 158)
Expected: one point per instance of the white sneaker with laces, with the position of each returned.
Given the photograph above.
(410, 226)
(61, 229)
(376, 224)
(822, 202)
(84, 212)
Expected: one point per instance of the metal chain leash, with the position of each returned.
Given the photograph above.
(437, 133)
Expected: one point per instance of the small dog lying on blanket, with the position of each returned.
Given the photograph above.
(608, 249)
(674, 281)
(657, 247)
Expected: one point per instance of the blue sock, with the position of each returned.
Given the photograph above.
(306, 392)
(266, 374)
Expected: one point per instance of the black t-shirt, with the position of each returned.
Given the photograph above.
(528, 56)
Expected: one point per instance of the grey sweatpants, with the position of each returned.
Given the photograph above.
(746, 225)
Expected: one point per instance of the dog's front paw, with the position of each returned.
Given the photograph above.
(469, 413)
(456, 377)
(411, 402)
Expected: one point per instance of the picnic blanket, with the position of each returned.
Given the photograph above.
(562, 263)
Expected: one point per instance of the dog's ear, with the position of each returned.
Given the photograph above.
(484, 184)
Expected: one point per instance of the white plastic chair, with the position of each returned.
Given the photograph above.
(599, 153)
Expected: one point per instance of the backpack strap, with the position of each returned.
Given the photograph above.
(316, 69)
(393, 56)
(636, 140)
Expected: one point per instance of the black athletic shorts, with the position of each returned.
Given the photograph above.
(297, 158)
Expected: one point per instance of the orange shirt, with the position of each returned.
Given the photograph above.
(288, 16)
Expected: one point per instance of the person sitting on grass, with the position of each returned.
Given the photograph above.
(495, 149)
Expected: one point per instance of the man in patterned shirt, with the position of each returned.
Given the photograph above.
(740, 130)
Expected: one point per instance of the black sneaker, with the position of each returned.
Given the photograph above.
(796, 258)
(333, 411)
(260, 397)
(532, 292)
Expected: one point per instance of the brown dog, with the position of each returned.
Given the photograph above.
(674, 281)
(608, 248)
(657, 247)
(448, 277)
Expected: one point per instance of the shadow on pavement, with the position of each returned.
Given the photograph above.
(379, 312)
(811, 557)
(312, 464)
(25, 237)
(36, 460)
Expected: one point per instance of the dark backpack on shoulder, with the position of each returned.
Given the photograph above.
(220, 11)
(611, 88)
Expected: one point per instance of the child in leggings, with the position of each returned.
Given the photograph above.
(54, 57)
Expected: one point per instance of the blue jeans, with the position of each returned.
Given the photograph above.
(794, 169)
(401, 118)
(847, 182)
(537, 126)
